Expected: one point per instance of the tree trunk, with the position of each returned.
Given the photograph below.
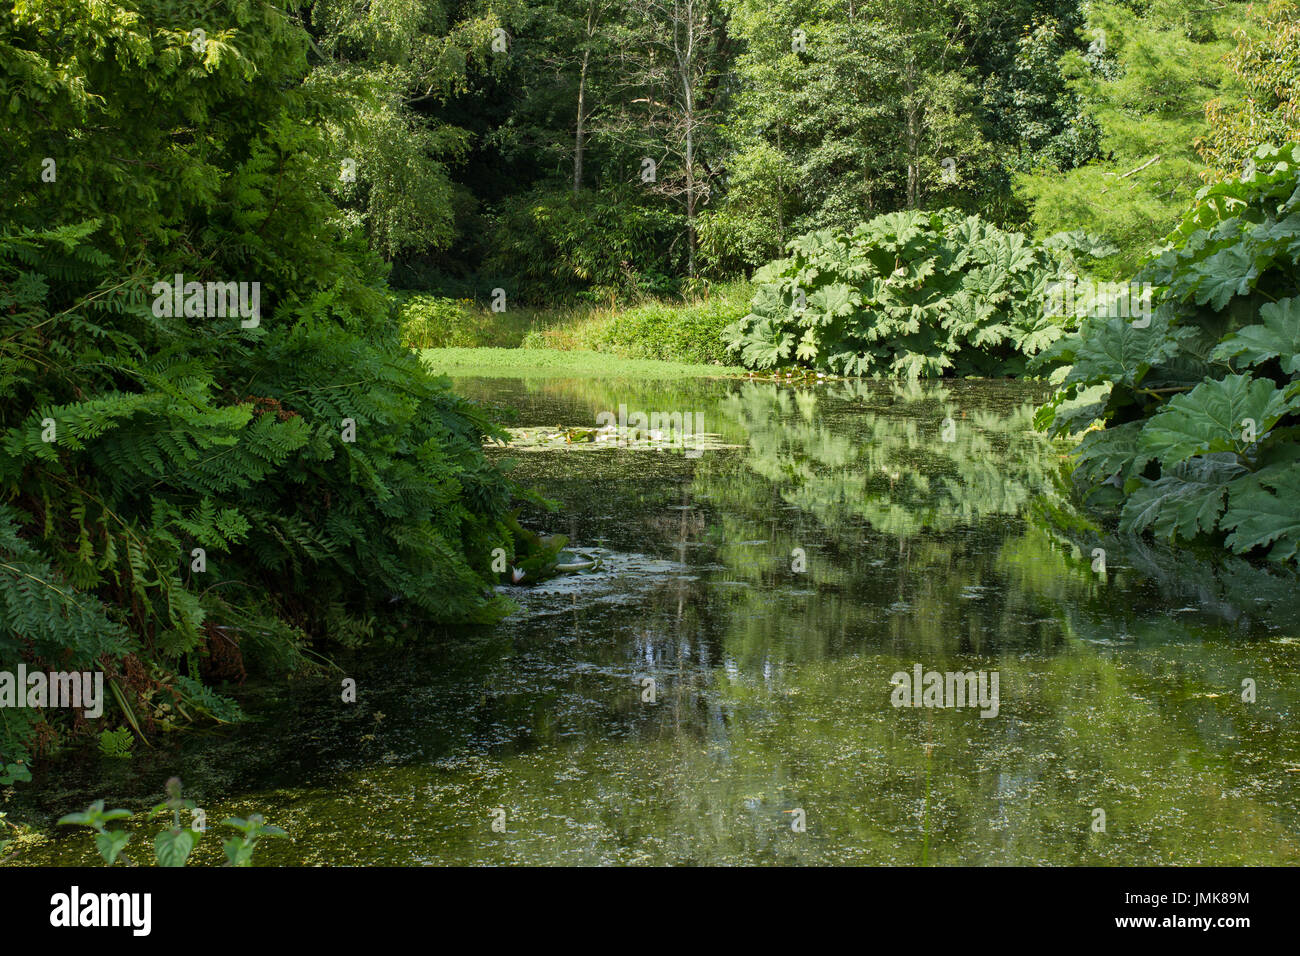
(913, 136)
(780, 198)
(686, 65)
(690, 182)
(579, 141)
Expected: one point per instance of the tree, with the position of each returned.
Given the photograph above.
(1144, 80)
(670, 57)
(1030, 108)
(389, 63)
(1267, 64)
(596, 11)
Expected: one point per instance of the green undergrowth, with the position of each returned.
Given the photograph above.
(669, 330)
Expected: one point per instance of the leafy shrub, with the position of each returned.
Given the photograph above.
(1193, 420)
(748, 224)
(431, 322)
(691, 332)
(733, 242)
(129, 440)
(124, 453)
(1139, 98)
(665, 330)
(914, 294)
(601, 246)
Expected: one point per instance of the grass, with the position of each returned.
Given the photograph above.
(669, 331)
(536, 362)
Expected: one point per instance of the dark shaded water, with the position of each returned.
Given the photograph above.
(770, 591)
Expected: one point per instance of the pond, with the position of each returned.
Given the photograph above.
(722, 688)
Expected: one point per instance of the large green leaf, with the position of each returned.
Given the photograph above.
(768, 301)
(1265, 509)
(172, 847)
(831, 301)
(1115, 350)
(1214, 417)
(1185, 503)
(1229, 272)
(111, 843)
(1111, 451)
(1009, 252)
(1276, 336)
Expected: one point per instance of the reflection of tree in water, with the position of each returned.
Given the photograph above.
(773, 685)
(885, 456)
(911, 541)
(927, 551)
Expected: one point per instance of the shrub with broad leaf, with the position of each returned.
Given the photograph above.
(1192, 423)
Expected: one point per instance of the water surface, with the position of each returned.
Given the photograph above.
(769, 591)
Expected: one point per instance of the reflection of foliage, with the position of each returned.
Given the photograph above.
(1221, 588)
(906, 294)
(1200, 407)
(578, 401)
(903, 531)
(920, 460)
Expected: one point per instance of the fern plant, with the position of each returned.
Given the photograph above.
(185, 500)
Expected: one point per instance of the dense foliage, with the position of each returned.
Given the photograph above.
(1267, 64)
(430, 322)
(689, 331)
(188, 493)
(1144, 80)
(598, 247)
(767, 119)
(480, 144)
(909, 294)
(1199, 411)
